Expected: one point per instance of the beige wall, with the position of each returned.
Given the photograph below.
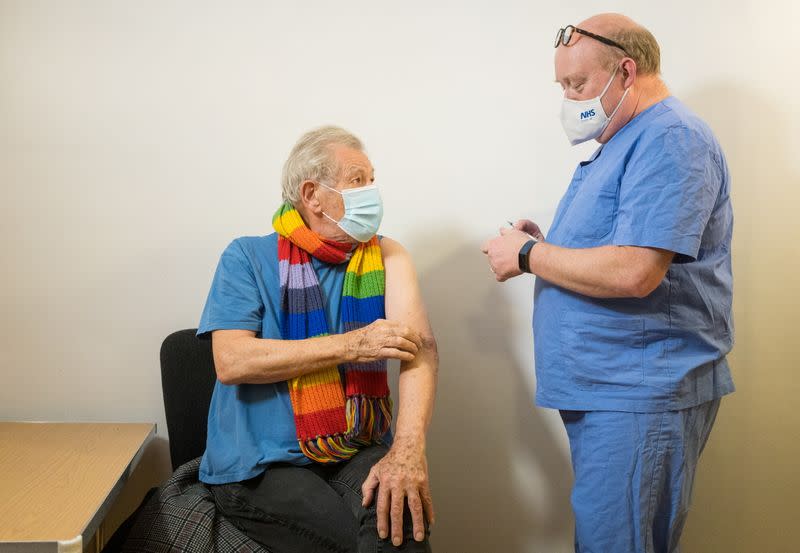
(138, 138)
(748, 483)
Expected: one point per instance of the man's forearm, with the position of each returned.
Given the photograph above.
(417, 393)
(251, 360)
(602, 272)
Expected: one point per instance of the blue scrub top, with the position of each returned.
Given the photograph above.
(661, 182)
(252, 425)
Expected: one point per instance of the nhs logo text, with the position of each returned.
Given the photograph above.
(588, 114)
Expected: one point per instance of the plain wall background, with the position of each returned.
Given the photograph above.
(138, 138)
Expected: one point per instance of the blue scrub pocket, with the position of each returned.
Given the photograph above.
(590, 216)
(602, 352)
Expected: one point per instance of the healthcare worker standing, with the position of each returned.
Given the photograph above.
(632, 309)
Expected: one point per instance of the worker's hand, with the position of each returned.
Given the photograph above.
(383, 339)
(503, 253)
(529, 227)
(400, 477)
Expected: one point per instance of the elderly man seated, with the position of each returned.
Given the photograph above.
(300, 454)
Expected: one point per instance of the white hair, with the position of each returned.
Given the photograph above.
(312, 159)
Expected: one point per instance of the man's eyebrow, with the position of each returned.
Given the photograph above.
(354, 169)
(575, 77)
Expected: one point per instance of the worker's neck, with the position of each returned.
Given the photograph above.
(651, 91)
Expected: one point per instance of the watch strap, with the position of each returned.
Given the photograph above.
(524, 251)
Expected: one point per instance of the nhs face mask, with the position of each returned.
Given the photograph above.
(363, 211)
(586, 119)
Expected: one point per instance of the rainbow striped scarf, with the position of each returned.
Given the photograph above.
(332, 419)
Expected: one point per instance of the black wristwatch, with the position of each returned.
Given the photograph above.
(524, 264)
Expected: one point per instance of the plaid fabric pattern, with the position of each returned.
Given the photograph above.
(182, 517)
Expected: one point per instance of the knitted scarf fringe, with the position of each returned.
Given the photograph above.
(368, 421)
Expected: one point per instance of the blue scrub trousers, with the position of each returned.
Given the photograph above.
(633, 476)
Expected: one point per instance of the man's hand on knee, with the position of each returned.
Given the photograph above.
(402, 475)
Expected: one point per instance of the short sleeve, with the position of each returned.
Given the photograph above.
(234, 301)
(669, 189)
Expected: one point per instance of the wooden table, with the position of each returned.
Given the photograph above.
(58, 480)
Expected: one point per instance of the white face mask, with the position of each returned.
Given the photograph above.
(363, 211)
(586, 119)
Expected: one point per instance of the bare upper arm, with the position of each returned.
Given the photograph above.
(403, 298)
(225, 350)
(220, 338)
(647, 267)
(654, 260)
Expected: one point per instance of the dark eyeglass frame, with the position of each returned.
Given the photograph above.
(564, 35)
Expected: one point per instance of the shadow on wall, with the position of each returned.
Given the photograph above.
(500, 480)
(747, 484)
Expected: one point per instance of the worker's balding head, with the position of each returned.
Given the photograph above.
(613, 58)
(639, 43)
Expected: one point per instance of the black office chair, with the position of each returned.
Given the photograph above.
(187, 381)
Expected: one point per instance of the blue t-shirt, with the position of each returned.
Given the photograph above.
(660, 182)
(252, 425)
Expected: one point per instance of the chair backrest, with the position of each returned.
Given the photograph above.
(187, 381)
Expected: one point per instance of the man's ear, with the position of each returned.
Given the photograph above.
(308, 197)
(628, 72)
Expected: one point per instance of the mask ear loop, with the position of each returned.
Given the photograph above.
(332, 190)
(611, 80)
(331, 218)
(619, 104)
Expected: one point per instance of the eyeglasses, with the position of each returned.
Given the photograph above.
(564, 35)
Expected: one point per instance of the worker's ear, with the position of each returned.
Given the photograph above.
(628, 72)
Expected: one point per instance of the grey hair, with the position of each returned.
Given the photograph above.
(312, 159)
